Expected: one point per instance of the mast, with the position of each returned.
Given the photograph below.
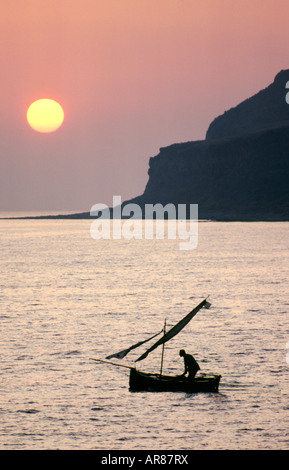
(163, 350)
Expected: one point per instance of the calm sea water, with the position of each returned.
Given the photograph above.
(65, 298)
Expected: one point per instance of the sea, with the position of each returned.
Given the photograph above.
(67, 299)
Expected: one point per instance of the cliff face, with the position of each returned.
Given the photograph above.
(241, 170)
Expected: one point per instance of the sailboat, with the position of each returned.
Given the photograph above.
(143, 381)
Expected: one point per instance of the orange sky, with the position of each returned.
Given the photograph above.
(131, 76)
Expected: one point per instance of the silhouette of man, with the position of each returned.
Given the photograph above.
(191, 365)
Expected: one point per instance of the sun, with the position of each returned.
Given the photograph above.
(45, 115)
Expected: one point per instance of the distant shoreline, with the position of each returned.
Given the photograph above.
(87, 216)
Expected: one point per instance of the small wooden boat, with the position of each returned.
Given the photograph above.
(143, 381)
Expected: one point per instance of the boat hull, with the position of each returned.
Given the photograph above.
(141, 381)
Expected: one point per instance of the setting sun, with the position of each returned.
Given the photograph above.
(45, 115)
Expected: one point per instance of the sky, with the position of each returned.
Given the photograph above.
(132, 76)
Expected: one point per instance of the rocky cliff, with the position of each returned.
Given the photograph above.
(262, 111)
(241, 170)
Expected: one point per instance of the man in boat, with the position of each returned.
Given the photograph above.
(191, 365)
